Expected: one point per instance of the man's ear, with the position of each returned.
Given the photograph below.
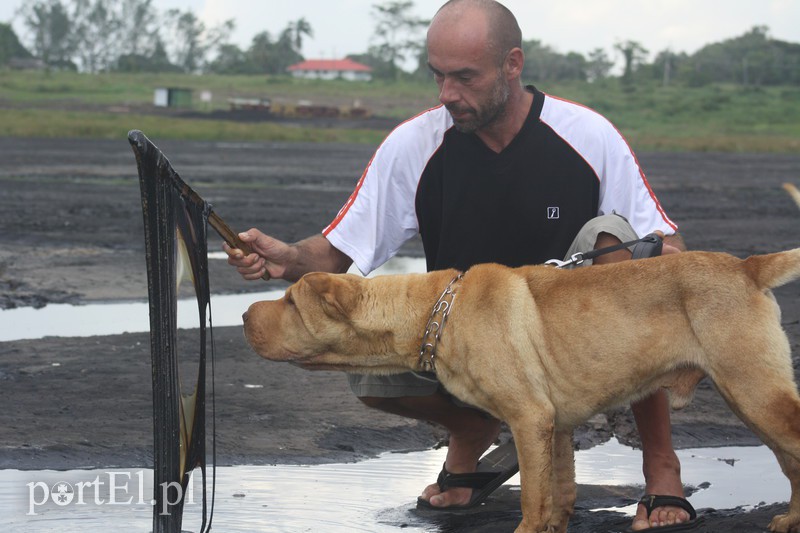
(514, 63)
(335, 292)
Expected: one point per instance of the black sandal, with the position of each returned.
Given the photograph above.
(654, 501)
(494, 469)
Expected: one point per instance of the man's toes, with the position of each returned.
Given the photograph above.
(451, 498)
(430, 491)
(663, 516)
(668, 516)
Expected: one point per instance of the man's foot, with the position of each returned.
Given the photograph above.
(660, 464)
(666, 482)
(652, 502)
(463, 452)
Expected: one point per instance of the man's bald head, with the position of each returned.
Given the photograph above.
(503, 33)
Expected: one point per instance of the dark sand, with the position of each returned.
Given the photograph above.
(71, 225)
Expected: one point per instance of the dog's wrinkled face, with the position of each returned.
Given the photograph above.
(346, 322)
(309, 321)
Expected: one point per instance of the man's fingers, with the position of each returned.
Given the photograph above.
(253, 266)
(244, 262)
(233, 253)
(667, 249)
(254, 276)
(251, 235)
(254, 270)
(253, 261)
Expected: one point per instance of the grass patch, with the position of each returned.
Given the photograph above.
(99, 125)
(652, 117)
(118, 89)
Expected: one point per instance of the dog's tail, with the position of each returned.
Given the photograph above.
(773, 270)
(793, 192)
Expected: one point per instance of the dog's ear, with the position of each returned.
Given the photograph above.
(335, 292)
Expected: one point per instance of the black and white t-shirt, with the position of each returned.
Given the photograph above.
(471, 205)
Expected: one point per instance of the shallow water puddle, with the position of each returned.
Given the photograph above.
(371, 496)
(66, 320)
(375, 495)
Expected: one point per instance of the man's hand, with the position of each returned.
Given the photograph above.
(672, 243)
(269, 255)
(285, 261)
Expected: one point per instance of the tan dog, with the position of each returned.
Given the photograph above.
(544, 349)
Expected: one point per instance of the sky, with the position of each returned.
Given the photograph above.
(343, 27)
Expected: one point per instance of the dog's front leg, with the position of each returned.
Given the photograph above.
(564, 491)
(534, 437)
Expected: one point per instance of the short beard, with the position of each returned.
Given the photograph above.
(494, 109)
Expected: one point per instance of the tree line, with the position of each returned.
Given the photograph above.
(133, 36)
(752, 59)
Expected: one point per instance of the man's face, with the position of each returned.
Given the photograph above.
(473, 108)
(471, 80)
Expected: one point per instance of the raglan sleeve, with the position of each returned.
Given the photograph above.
(624, 189)
(379, 216)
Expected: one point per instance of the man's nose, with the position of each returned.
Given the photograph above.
(244, 316)
(447, 92)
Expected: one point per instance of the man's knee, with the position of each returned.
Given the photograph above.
(602, 231)
(606, 240)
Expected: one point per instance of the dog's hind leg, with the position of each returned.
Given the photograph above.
(763, 394)
(789, 522)
(778, 427)
(777, 423)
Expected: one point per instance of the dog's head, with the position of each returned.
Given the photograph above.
(335, 321)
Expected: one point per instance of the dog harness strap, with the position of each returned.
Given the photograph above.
(435, 325)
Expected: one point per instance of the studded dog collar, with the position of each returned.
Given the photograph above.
(435, 325)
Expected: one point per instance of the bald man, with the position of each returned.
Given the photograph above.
(498, 173)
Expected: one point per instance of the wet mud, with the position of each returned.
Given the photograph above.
(72, 231)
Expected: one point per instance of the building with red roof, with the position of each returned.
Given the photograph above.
(331, 69)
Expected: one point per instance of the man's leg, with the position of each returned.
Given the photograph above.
(660, 464)
(471, 434)
(471, 431)
(661, 467)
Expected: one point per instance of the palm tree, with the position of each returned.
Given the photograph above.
(297, 29)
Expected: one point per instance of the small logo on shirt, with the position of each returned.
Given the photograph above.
(552, 213)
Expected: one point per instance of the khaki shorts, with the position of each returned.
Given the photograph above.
(426, 384)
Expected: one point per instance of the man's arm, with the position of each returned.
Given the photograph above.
(286, 261)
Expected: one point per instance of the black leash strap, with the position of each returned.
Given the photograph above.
(648, 246)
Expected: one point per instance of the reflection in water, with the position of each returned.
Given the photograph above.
(370, 496)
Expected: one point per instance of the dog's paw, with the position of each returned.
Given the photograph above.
(550, 529)
(785, 523)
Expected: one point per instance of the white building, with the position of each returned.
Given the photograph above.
(331, 69)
